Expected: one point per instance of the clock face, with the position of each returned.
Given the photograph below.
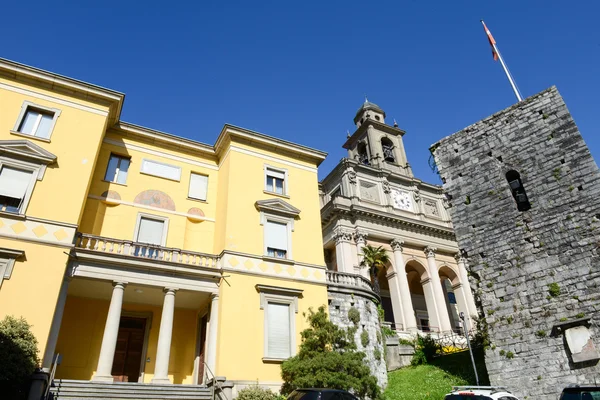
(401, 200)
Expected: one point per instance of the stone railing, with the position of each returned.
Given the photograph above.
(351, 280)
(144, 251)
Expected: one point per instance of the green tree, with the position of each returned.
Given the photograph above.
(19, 355)
(375, 258)
(328, 358)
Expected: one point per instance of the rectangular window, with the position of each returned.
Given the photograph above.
(198, 186)
(276, 239)
(275, 181)
(117, 168)
(279, 332)
(151, 231)
(161, 170)
(37, 121)
(13, 188)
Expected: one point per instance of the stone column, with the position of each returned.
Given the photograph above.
(163, 351)
(111, 331)
(461, 302)
(343, 253)
(432, 310)
(464, 279)
(438, 292)
(211, 347)
(55, 327)
(360, 238)
(400, 290)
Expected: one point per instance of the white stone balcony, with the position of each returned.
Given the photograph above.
(144, 251)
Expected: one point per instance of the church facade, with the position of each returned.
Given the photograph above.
(372, 198)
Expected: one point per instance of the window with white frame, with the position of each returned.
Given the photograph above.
(36, 121)
(161, 170)
(275, 180)
(276, 239)
(280, 306)
(117, 168)
(152, 231)
(15, 188)
(198, 186)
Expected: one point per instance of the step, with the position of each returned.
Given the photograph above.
(86, 390)
(154, 386)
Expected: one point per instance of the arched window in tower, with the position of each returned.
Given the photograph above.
(388, 149)
(517, 189)
(363, 157)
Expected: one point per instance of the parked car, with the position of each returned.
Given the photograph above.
(321, 394)
(575, 392)
(480, 393)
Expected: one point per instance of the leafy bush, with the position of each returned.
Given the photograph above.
(328, 358)
(354, 315)
(429, 347)
(418, 358)
(19, 355)
(387, 331)
(256, 392)
(364, 338)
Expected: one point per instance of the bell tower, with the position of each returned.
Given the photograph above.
(376, 144)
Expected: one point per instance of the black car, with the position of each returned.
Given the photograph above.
(576, 392)
(321, 394)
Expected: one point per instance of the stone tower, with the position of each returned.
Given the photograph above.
(376, 144)
(525, 203)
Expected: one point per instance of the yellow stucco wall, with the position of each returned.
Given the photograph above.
(81, 337)
(75, 141)
(241, 325)
(32, 290)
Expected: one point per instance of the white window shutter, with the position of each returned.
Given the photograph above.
(150, 231)
(198, 186)
(278, 340)
(276, 235)
(275, 174)
(14, 182)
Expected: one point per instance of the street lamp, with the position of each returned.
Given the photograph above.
(462, 317)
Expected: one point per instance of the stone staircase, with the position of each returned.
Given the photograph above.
(66, 389)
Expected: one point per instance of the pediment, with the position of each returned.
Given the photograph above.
(26, 149)
(277, 206)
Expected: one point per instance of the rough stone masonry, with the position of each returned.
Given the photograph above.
(523, 192)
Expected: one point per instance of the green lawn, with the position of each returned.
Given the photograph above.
(436, 380)
(421, 382)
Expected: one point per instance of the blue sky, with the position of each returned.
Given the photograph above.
(299, 70)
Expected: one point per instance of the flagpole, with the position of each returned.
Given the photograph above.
(506, 71)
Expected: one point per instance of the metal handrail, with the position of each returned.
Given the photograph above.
(51, 377)
(215, 382)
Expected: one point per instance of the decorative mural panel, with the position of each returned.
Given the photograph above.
(155, 198)
(369, 191)
(38, 231)
(431, 208)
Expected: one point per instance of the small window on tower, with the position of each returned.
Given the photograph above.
(363, 157)
(388, 150)
(518, 191)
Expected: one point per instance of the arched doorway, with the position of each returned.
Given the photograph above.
(423, 307)
(455, 298)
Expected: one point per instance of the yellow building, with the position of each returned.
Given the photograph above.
(140, 256)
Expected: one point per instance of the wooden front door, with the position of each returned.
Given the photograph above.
(128, 354)
(201, 348)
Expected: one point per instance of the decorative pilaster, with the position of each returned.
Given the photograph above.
(400, 290)
(165, 334)
(343, 250)
(111, 331)
(360, 238)
(440, 299)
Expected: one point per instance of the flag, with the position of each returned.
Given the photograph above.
(491, 40)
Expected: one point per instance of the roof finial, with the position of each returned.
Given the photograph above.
(395, 123)
(366, 100)
(347, 134)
